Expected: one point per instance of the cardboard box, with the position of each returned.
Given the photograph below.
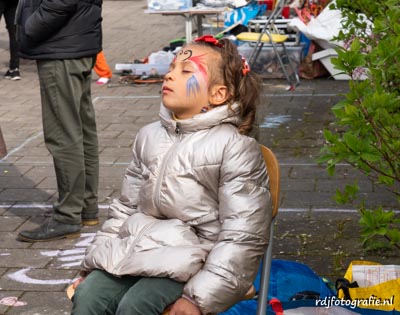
(267, 65)
(169, 5)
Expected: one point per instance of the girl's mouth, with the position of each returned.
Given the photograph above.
(166, 89)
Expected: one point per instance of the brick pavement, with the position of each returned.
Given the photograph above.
(311, 228)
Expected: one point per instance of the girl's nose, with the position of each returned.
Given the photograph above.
(168, 76)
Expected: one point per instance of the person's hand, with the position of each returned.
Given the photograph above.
(77, 282)
(184, 307)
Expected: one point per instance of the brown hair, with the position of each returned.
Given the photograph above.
(244, 88)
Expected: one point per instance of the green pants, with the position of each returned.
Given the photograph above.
(70, 135)
(103, 294)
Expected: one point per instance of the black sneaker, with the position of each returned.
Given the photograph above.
(50, 230)
(13, 74)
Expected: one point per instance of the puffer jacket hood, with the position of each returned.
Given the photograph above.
(194, 207)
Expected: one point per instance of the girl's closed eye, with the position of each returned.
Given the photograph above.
(187, 69)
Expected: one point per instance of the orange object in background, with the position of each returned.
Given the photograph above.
(101, 67)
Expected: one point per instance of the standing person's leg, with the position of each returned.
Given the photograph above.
(150, 296)
(102, 69)
(61, 85)
(91, 151)
(9, 17)
(100, 293)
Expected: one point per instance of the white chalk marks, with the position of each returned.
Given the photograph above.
(274, 121)
(11, 301)
(67, 258)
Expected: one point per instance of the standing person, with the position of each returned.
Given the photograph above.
(8, 9)
(192, 221)
(102, 69)
(64, 38)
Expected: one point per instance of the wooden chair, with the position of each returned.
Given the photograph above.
(274, 187)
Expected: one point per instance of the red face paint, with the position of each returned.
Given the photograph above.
(199, 61)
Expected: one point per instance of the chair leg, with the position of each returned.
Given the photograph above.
(296, 81)
(292, 68)
(265, 274)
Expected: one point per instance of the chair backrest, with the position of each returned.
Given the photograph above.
(274, 174)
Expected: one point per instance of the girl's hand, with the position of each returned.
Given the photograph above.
(77, 282)
(184, 307)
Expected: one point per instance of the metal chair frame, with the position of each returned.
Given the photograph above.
(274, 180)
(269, 30)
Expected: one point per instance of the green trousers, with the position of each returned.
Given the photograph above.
(103, 294)
(70, 135)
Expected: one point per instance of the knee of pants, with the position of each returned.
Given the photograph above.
(84, 302)
(138, 306)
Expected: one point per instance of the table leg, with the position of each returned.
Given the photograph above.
(199, 25)
(188, 28)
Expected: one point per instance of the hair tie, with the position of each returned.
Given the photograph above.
(246, 67)
(209, 39)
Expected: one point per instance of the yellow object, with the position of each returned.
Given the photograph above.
(253, 37)
(386, 294)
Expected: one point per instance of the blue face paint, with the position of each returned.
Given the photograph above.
(192, 86)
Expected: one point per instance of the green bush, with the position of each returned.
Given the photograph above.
(366, 132)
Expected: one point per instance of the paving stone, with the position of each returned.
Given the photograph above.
(10, 223)
(26, 258)
(8, 240)
(8, 294)
(39, 304)
(34, 195)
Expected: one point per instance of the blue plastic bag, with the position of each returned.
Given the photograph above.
(287, 278)
(244, 14)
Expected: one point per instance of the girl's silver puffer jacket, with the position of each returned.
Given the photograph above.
(195, 207)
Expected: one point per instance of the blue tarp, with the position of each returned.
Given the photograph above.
(288, 278)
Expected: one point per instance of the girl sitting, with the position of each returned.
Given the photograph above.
(192, 221)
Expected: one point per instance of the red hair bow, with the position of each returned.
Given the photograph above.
(209, 39)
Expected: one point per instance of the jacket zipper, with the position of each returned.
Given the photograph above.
(157, 191)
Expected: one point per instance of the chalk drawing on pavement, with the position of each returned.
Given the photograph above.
(274, 121)
(68, 258)
(11, 301)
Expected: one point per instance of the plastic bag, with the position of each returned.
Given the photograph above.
(244, 14)
(382, 296)
(322, 29)
(161, 58)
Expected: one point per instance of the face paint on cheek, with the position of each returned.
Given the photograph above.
(192, 86)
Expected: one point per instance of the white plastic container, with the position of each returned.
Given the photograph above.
(143, 68)
(169, 5)
(325, 56)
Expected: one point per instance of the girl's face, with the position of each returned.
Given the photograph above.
(185, 90)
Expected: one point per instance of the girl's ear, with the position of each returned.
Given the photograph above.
(219, 95)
